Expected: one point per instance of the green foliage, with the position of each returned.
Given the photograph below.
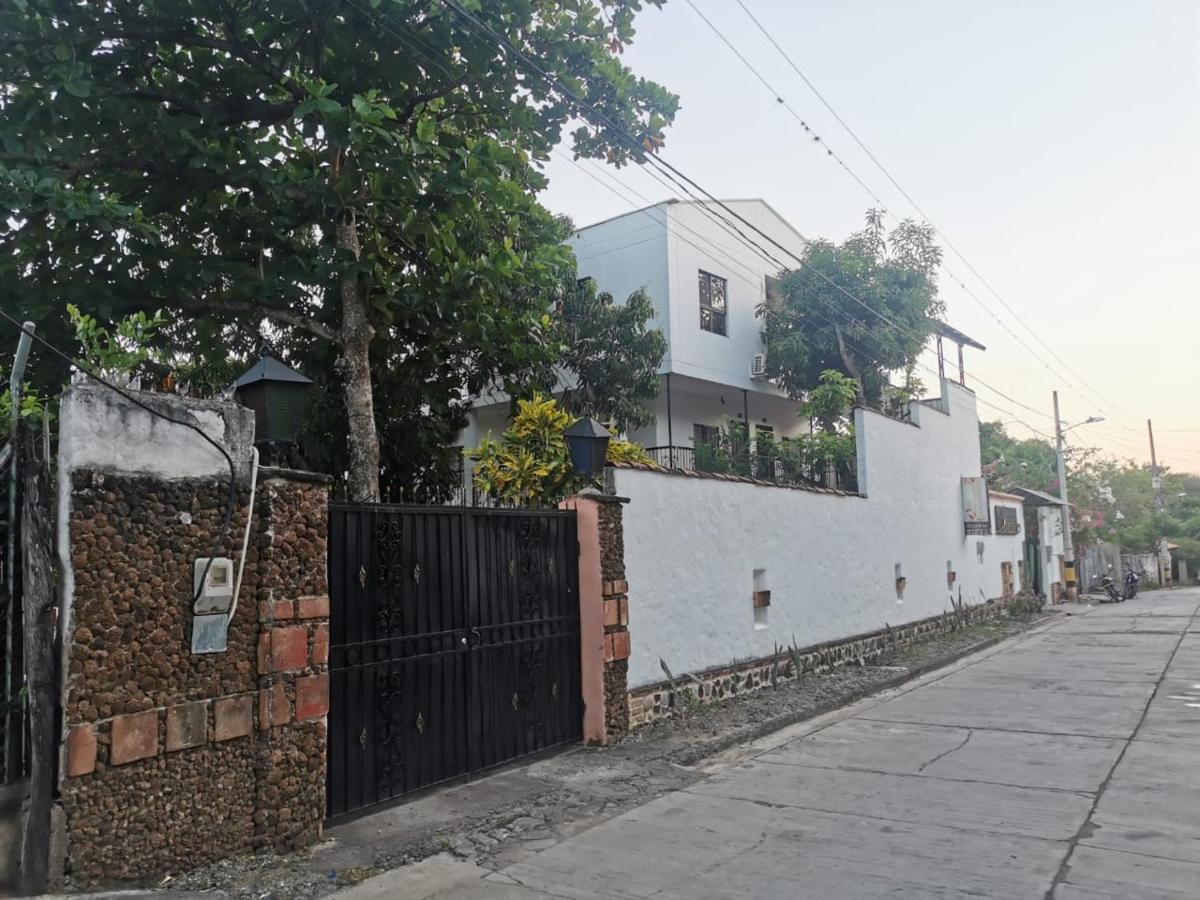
(245, 167)
(1113, 500)
(610, 359)
(830, 401)
(529, 464)
(810, 325)
(1013, 463)
(33, 409)
(121, 352)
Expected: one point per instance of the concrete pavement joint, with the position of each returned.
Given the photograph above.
(1086, 829)
(867, 771)
(1070, 734)
(866, 815)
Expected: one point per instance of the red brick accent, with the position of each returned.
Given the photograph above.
(187, 725)
(81, 751)
(264, 652)
(273, 610)
(616, 612)
(234, 717)
(289, 648)
(611, 588)
(320, 652)
(314, 607)
(273, 708)
(761, 599)
(312, 697)
(134, 737)
(616, 646)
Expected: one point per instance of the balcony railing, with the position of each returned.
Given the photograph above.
(765, 467)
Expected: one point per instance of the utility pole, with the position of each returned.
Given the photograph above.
(1155, 478)
(1164, 570)
(1068, 543)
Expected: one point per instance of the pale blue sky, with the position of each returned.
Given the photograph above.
(1057, 144)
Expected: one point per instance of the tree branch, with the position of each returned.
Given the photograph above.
(283, 316)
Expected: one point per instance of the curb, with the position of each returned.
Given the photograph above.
(748, 733)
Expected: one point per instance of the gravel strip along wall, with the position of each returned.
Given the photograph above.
(173, 759)
(652, 702)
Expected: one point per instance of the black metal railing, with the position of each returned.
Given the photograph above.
(842, 475)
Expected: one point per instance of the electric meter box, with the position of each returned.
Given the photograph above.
(215, 594)
(212, 586)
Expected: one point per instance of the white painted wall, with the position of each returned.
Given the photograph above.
(697, 242)
(1050, 535)
(626, 254)
(998, 549)
(829, 560)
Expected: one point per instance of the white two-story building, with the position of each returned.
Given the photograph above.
(706, 284)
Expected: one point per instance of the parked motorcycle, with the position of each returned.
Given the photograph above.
(1132, 581)
(1110, 588)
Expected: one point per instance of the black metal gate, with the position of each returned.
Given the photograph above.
(454, 644)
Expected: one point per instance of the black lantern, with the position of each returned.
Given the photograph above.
(587, 442)
(278, 396)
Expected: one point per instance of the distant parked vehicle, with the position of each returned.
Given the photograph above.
(1110, 588)
(1132, 581)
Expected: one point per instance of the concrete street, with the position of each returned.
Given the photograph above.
(1061, 764)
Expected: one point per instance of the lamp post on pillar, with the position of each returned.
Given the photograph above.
(1068, 540)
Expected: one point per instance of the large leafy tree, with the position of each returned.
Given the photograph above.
(352, 180)
(611, 354)
(865, 307)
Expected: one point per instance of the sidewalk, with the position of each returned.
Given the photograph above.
(515, 813)
(1056, 764)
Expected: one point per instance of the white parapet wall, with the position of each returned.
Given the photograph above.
(697, 549)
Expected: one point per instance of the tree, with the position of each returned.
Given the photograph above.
(1012, 463)
(1113, 500)
(812, 323)
(609, 366)
(352, 182)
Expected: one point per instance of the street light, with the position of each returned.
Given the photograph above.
(587, 442)
(1068, 541)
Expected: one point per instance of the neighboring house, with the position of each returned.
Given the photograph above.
(706, 285)
(1044, 547)
(1008, 541)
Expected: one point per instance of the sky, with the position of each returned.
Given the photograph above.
(1055, 144)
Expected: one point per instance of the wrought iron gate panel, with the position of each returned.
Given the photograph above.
(454, 644)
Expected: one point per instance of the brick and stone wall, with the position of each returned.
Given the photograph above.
(173, 759)
(616, 618)
(654, 701)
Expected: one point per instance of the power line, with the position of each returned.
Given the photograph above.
(231, 500)
(874, 159)
(681, 180)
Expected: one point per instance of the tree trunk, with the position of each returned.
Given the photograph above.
(848, 361)
(39, 601)
(356, 334)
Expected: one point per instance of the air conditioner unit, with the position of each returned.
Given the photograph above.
(758, 367)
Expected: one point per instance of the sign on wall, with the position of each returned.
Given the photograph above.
(976, 515)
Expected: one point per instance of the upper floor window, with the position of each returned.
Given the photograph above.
(713, 307)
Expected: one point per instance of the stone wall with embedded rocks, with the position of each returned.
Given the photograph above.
(616, 617)
(173, 759)
(655, 701)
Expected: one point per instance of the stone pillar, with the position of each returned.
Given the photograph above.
(293, 659)
(604, 616)
(173, 759)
